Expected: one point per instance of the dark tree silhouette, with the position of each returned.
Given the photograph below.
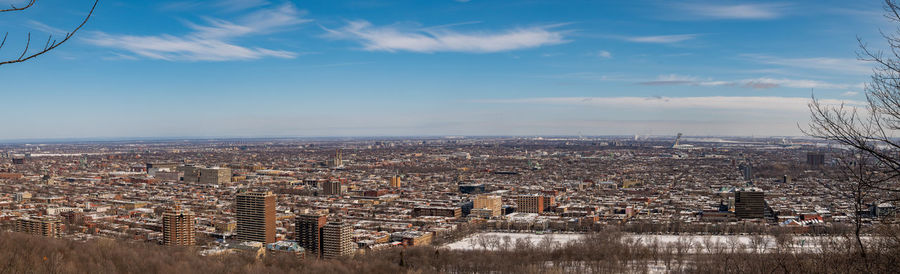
(49, 45)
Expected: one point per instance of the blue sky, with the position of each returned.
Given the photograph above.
(334, 68)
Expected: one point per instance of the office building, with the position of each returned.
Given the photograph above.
(190, 174)
(215, 175)
(530, 203)
(308, 232)
(489, 202)
(178, 227)
(749, 204)
(336, 240)
(255, 213)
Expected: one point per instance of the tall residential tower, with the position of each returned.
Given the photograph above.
(178, 226)
(255, 216)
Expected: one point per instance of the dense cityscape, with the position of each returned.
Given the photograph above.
(331, 198)
(464, 136)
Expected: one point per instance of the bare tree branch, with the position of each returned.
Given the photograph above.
(51, 44)
(14, 8)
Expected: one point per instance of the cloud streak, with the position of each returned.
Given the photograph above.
(659, 39)
(212, 41)
(740, 11)
(173, 48)
(840, 65)
(603, 54)
(430, 40)
(693, 103)
(756, 83)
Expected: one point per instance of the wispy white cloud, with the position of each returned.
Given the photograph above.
(392, 39)
(793, 83)
(44, 27)
(265, 21)
(757, 83)
(675, 79)
(693, 103)
(603, 54)
(210, 42)
(839, 65)
(849, 93)
(659, 39)
(739, 11)
(173, 48)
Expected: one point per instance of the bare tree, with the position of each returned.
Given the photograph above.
(863, 174)
(49, 45)
(869, 130)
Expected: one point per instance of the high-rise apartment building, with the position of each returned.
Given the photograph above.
(336, 240)
(746, 171)
(749, 204)
(549, 201)
(489, 202)
(530, 203)
(39, 226)
(332, 188)
(178, 226)
(395, 181)
(255, 213)
(308, 230)
(815, 159)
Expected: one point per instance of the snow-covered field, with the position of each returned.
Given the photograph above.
(488, 240)
(475, 241)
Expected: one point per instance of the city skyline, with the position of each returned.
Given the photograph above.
(201, 69)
